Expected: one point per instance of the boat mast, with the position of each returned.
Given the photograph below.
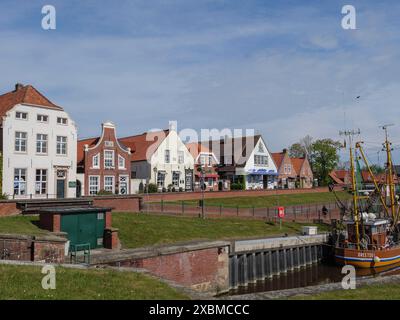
(350, 134)
(389, 165)
(358, 145)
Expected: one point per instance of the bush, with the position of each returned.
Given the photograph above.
(152, 188)
(237, 186)
(164, 190)
(3, 196)
(180, 189)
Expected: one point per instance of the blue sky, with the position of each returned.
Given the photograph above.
(283, 68)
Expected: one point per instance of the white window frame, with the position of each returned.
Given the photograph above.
(96, 166)
(167, 156)
(160, 173)
(42, 142)
(20, 182)
(91, 185)
(112, 186)
(121, 158)
(20, 144)
(42, 115)
(21, 113)
(181, 157)
(41, 181)
(175, 183)
(62, 121)
(60, 144)
(106, 159)
(120, 182)
(202, 159)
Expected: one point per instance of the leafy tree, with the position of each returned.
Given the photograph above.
(324, 158)
(296, 150)
(301, 149)
(375, 168)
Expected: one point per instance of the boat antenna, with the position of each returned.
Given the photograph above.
(387, 146)
(349, 134)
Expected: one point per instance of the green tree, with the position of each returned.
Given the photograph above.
(375, 168)
(296, 150)
(301, 149)
(324, 158)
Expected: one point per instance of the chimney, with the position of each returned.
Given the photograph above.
(172, 126)
(18, 86)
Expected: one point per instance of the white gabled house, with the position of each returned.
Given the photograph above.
(38, 145)
(160, 158)
(245, 159)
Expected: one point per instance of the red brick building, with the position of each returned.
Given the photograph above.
(305, 176)
(287, 175)
(204, 158)
(103, 164)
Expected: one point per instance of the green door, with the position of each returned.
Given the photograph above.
(84, 228)
(60, 188)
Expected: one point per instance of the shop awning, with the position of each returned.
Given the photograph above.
(262, 172)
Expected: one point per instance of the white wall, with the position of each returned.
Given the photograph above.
(32, 161)
(250, 165)
(173, 143)
(135, 185)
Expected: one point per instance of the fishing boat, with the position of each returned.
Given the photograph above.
(367, 235)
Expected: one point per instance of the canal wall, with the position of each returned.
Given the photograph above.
(259, 259)
(219, 266)
(199, 265)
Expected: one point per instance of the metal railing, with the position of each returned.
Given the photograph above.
(306, 212)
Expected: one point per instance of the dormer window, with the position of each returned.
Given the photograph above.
(21, 115)
(42, 118)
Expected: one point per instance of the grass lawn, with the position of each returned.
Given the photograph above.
(138, 230)
(24, 282)
(371, 292)
(271, 200)
(21, 225)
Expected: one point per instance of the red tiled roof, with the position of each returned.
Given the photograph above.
(341, 174)
(25, 95)
(140, 144)
(297, 164)
(278, 158)
(338, 176)
(81, 148)
(195, 148)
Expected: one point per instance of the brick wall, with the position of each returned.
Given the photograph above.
(226, 194)
(118, 203)
(30, 248)
(203, 269)
(8, 208)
